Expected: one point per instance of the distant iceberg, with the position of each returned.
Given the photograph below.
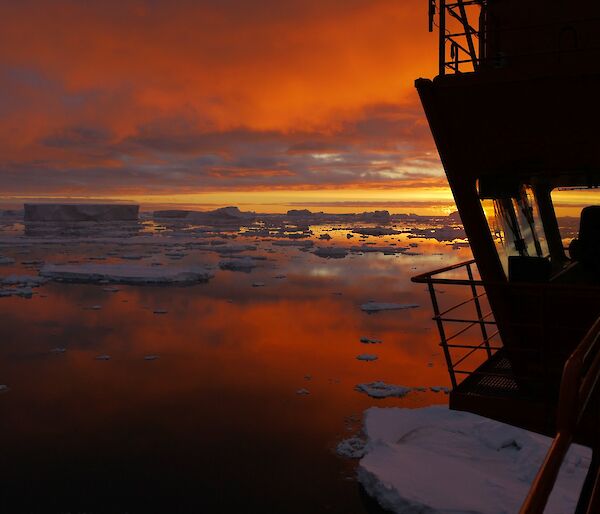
(80, 212)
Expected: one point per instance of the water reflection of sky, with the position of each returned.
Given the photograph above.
(215, 421)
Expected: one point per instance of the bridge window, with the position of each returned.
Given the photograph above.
(516, 225)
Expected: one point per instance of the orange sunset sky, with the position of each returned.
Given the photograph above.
(219, 102)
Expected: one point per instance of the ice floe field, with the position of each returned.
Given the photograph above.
(217, 362)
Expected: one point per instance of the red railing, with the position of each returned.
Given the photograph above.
(578, 385)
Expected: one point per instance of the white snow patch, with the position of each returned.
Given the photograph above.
(440, 461)
(125, 273)
(377, 306)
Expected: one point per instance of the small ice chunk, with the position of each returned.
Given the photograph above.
(377, 306)
(440, 389)
(326, 237)
(4, 261)
(132, 257)
(380, 389)
(369, 340)
(95, 307)
(160, 311)
(302, 244)
(4, 388)
(150, 357)
(245, 264)
(353, 448)
(102, 357)
(59, 349)
(331, 252)
(367, 357)
(302, 391)
(258, 284)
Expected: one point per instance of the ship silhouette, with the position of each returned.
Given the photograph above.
(514, 112)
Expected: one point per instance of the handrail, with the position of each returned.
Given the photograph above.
(423, 277)
(441, 316)
(579, 381)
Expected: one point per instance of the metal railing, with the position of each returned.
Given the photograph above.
(461, 41)
(483, 321)
(578, 385)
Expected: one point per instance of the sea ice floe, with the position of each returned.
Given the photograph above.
(125, 273)
(380, 389)
(352, 448)
(4, 261)
(438, 461)
(102, 357)
(367, 357)
(377, 306)
(302, 391)
(440, 389)
(59, 349)
(301, 244)
(245, 264)
(22, 280)
(160, 311)
(387, 250)
(370, 340)
(4, 388)
(150, 357)
(331, 252)
(258, 284)
(375, 231)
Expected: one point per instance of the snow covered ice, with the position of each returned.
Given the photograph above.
(439, 461)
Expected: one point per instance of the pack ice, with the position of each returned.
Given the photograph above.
(125, 273)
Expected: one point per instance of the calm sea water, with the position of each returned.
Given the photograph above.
(214, 422)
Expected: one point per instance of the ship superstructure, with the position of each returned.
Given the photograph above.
(514, 112)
